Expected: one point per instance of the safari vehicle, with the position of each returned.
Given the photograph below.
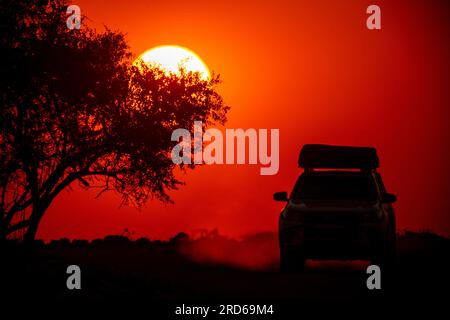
(338, 210)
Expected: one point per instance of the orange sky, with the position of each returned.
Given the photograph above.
(311, 69)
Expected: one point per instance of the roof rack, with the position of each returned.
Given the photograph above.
(320, 156)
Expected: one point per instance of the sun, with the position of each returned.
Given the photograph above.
(171, 58)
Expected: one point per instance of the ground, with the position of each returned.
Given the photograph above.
(168, 274)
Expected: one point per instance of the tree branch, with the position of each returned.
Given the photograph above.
(17, 226)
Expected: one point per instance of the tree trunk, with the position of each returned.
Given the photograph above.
(34, 220)
(30, 234)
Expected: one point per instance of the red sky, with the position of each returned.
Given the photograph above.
(311, 69)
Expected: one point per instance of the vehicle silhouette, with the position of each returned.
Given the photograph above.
(338, 209)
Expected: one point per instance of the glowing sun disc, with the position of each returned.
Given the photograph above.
(170, 58)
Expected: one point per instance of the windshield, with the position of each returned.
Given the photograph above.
(335, 187)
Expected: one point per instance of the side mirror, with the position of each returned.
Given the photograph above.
(280, 196)
(389, 198)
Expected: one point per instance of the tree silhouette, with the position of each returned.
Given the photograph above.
(74, 108)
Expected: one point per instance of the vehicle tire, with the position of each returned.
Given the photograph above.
(385, 259)
(391, 245)
(292, 260)
(386, 256)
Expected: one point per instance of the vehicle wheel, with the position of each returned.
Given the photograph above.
(292, 260)
(391, 246)
(385, 259)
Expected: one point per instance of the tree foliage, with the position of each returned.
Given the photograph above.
(74, 108)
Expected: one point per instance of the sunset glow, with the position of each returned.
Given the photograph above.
(311, 69)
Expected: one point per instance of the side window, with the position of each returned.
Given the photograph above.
(380, 184)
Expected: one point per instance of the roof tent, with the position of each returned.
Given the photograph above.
(337, 157)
